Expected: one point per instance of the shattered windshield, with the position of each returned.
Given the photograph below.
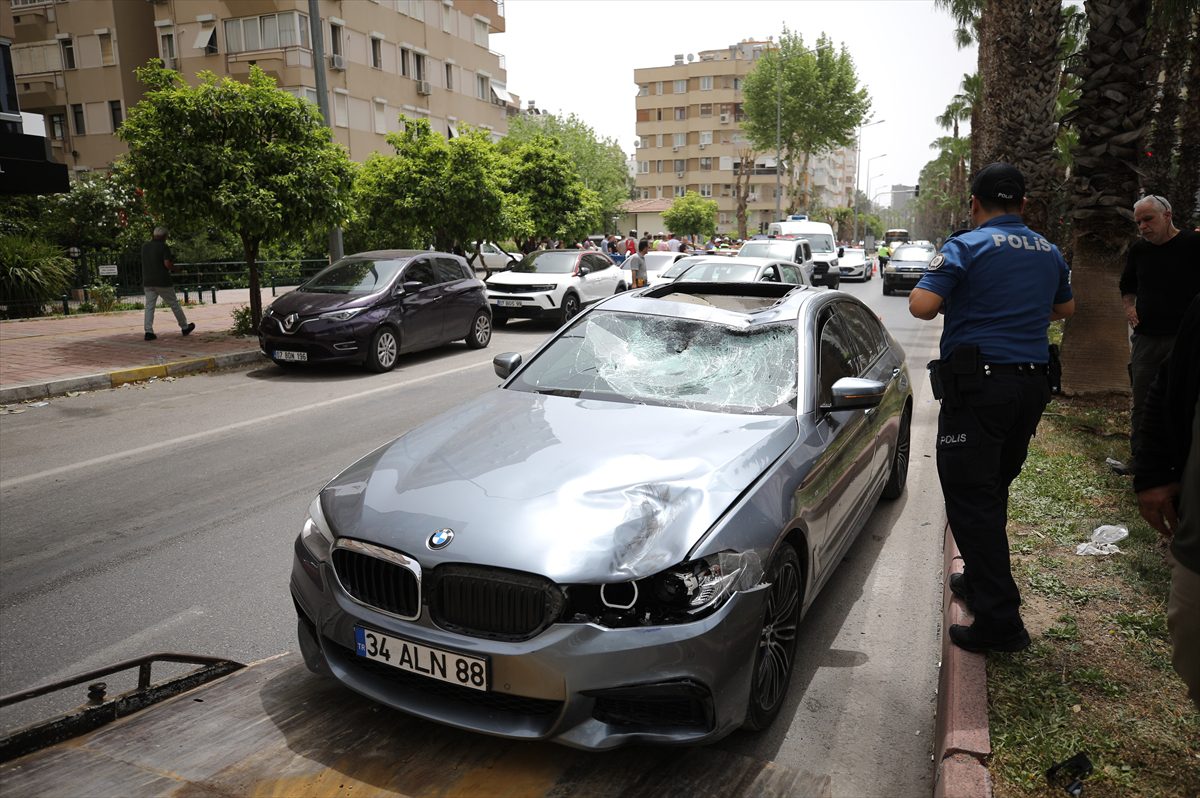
(672, 362)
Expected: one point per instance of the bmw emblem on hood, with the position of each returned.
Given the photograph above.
(440, 539)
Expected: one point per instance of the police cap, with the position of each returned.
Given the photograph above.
(999, 181)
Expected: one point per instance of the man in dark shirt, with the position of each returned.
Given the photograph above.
(158, 261)
(1168, 487)
(1161, 276)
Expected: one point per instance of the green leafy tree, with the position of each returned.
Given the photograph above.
(811, 97)
(397, 198)
(473, 190)
(550, 198)
(246, 157)
(691, 215)
(599, 162)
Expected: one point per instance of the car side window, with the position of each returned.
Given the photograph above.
(595, 262)
(865, 330)
(791, 274)
(807, 253)
(421, 272)
(837, 357)
(448, 270)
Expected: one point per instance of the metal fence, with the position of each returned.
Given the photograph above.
(98, 272)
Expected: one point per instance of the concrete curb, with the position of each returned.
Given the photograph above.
(961, 730)
(111, 379)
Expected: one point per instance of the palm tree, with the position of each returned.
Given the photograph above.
(1111, 125)
(960, 109)
(1186, 183)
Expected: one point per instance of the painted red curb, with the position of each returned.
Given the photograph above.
(961, 732)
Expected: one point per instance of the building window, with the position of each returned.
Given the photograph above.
(77, 120)
(680, 113)
(405, 62)
(680, 165)
(644, 193)
(481, 33)
(680, 191)
(658, 166)
(706, 137)
(643, 89)
(447, 19)
(722, 218)
(706, 189)
(449, 77)
(272, 31)
(341, 109)
(114, 110)
(643, 167)
(335, 38)
(658, 87)
(376, 53)
(680, 139)
(58, 126)
(68, 53)
(706, 164)
(737, 84)
(380, 116)
(706, 83)
(419, 67)
(681, 87)
(166, 49)
(206, 40)
(706, 109)
(106, 50)
(481, 87)
(659, 137)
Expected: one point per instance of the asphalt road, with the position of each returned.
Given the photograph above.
(161, 517)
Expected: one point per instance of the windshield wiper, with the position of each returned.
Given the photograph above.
(571, 394)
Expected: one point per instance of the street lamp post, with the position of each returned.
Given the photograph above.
(857, 146)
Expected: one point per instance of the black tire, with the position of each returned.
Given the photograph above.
(499, 319)
(833, 281)
(776, 652)
(898, 477)
(570, 307)
(384, 351)
(867, 273)
(480, 334)
(887, 289)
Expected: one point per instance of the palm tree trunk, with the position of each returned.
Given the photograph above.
(984, 136)
(1112, 71)
(1183, 188)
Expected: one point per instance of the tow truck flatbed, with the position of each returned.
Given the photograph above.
(275, 729)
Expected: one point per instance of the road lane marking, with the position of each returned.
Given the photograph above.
(216, 431)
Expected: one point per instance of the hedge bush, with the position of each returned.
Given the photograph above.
(32, 273)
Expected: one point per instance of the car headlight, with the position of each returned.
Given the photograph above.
(316, 534)
(680, 594)
(890, 268)
(341, 315)
(541, 287)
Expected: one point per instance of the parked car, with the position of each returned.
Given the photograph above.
(682, 265)
(855, 265)
(618, 544)
(552, 282)
(495, 257)
(744, 270)
(656, 264)
(797, 250)
(906, 267)
(374, 306)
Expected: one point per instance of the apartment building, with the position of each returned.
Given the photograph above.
(74, 61)
(689, 138)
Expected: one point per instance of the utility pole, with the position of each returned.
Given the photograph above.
(318, 45)
(857, 145)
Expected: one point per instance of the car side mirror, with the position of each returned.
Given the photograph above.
(855, 393)
(841, 252)
(584, 271)
(506, 363)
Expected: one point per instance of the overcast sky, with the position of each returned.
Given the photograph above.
(578, 56)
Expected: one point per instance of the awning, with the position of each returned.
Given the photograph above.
(500, 93)
(205, 38)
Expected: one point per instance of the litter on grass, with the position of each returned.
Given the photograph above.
(1104, 540)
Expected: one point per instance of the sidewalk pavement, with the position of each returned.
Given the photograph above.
(50, 356)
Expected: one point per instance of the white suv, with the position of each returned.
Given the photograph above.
(552, 282)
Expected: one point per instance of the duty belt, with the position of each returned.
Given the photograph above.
(1013, 368)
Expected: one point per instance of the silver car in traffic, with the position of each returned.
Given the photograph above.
(619, 542)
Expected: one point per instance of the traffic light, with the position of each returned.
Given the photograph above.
(917, 190)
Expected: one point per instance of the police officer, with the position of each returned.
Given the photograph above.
(999, 285)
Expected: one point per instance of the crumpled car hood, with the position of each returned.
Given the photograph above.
(576, 490)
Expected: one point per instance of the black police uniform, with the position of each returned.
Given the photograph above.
(998, 283)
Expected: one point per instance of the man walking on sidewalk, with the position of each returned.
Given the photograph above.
(158, 261)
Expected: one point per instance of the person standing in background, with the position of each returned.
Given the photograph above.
(158, 262)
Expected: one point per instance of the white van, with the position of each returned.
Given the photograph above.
(824, 246)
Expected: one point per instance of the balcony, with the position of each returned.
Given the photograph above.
(282, 63)
(40, 92)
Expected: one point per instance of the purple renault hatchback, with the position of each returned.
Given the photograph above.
(374, 306)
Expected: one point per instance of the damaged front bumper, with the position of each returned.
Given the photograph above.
(579, 684)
